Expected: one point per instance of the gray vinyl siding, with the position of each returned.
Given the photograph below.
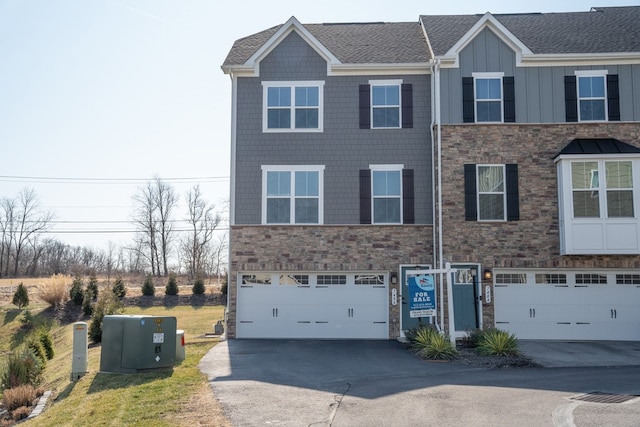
(343, 148)
(539, 91)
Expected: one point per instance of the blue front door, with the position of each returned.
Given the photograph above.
(465, 285)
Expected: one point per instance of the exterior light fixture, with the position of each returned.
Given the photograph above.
(487, 275)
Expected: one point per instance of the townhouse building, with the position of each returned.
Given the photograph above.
(500, 151)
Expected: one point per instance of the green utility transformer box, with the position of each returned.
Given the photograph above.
(133, 344)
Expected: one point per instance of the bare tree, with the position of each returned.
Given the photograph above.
(144, 218)
(203, 221)
(154, 206)
(165, 203)
(219, 254)
(7, 219)
(30, 220)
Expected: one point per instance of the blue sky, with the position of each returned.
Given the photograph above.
(109, 93)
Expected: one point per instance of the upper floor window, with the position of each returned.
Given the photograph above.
(492, 198)
(488, 98)
(386, 195)
(292, 106)
(292, 194)
(592, 95)
(386, 104)
(588, 186)
(491, 192)
(386, 189)
(488, 93)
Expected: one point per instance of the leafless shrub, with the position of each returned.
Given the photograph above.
(21, 413)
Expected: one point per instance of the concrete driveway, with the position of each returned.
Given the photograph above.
(380, 383)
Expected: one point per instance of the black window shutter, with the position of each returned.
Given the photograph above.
(613, 98)
(570, 98)
(365, 105)
(513, 204)
(408, 212)
(365, 196)
(509, 99)
(407, 105)
(470, 201)
(468, 100)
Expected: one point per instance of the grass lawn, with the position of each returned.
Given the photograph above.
(167, 397)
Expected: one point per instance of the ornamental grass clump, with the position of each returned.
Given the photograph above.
(431, 344)
(22, 395)
(495, 342)
(54, 291)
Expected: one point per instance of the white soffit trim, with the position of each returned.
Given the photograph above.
(488, 21)
(291, 25)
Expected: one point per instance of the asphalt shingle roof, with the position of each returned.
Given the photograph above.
(602, 30)
(351, 43)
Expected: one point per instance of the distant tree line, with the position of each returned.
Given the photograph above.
(198, 249)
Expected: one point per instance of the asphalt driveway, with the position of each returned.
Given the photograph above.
(380, 383)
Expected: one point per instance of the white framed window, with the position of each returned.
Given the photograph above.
(292, 194)
(588, 189)
(386, 194)
(592, 95)
(293, 106)
(492, 196)
(386, 111)
(488, 97)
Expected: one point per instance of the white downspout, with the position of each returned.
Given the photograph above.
(432, 67)
(232, 185)
(439, 187)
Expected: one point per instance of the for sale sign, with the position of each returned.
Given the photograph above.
(422, 295)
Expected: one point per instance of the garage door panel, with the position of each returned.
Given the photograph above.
(569, 311)
(290, 310)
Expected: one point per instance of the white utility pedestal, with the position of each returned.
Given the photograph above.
(80, 351)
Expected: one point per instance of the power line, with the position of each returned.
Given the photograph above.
(115, 231)
(78, 180)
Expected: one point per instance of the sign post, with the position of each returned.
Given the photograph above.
(422, 295)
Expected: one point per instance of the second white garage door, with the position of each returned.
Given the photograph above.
(318, 305)
(580, 305)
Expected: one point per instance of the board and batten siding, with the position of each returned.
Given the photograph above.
(343, 148)
(539, 91)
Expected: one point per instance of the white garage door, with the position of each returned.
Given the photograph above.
(572, 306)
(332, 305)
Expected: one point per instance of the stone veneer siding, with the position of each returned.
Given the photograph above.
(534, 240)
(327, 248)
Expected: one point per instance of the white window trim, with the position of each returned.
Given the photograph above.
(292, 84)
(494, 75)
(373, 83)
(592, 73)
(386, 168)
(503, 192)
(596, 235)
(293, 169)
(602, 189)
